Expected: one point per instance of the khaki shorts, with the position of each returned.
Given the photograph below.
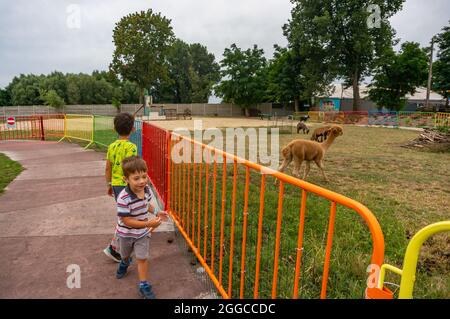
(139, 246)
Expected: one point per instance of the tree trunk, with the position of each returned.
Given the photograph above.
(247, 112)
(296, 103)
(356, 98)
(141, 96)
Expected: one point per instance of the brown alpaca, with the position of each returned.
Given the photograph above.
(302, 126)
(303, 150)
(320, 133)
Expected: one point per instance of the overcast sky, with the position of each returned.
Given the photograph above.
(41, 36)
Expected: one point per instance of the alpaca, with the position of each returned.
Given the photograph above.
(302, 126)
(303, 150)
(304, 118)
(320, 133)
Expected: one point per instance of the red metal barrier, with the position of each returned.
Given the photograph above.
(52, 125)
(25, 128)
(155, 153)
(32, 127)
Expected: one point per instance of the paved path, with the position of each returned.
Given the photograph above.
(56, 213)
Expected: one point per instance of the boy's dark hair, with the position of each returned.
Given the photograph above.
(132, 165)
(123, 124)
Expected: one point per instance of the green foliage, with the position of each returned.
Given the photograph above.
(441, 68)
(142, 41)
(192, 73)
(206, 72)
(334, 37)
(244, 76)
(5, 97)
(398, 75)
(25, 89)
(99, 88)
(283, 75)
(51, 98)
(116, 103)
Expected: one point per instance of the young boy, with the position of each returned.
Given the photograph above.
(117, 151)
(134, 225)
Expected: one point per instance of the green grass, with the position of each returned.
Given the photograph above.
(10, 169)
(405, 189)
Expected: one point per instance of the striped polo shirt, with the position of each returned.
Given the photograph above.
(129, 205)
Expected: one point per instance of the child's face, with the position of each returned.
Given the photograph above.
(137, 181)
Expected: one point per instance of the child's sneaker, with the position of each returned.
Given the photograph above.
(111, 253)
(122, 269)
(145, 290)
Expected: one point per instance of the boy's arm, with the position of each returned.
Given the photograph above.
(133, 223)
(108, 176)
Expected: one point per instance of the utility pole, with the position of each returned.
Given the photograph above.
(430, 75)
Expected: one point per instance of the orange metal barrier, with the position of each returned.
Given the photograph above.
(193, 206)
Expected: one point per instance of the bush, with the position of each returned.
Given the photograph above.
(51, 98)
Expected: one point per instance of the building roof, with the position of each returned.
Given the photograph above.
(420, 95)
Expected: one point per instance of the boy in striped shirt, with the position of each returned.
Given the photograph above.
(134, 225)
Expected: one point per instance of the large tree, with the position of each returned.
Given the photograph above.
(192, 73)
(244, 77)
(340, 35)
(25, 89)
(285, 83)
(441, 68)
(142, 41)
(206, 72)
(399, 74)
(5, 97)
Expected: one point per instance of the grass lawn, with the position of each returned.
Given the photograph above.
(405, 189)
(10, 169)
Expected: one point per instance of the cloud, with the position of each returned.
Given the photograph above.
(36, 37)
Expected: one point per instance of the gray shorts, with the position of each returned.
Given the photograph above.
(139, 246)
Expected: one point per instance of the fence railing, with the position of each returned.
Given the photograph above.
(402, 118)
(32, 127)
(408, 273)
(238, 242)
(155, 152)
(250, 246)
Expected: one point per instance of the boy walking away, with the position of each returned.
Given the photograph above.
(117, 151)
(134, 225)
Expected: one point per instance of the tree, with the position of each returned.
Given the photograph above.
(25, 89)
(51, 98)
(284, 75)
(398, 75)
(346, 43)
(5, 97)
(192, 74)
(142, 41)
(441, 68)
(206, 73)
(244, 75)
(56, 81)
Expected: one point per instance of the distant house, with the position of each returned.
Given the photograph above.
(342, 100)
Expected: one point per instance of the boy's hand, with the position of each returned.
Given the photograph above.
(110, 191)
(153, 223)
(164, 215)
